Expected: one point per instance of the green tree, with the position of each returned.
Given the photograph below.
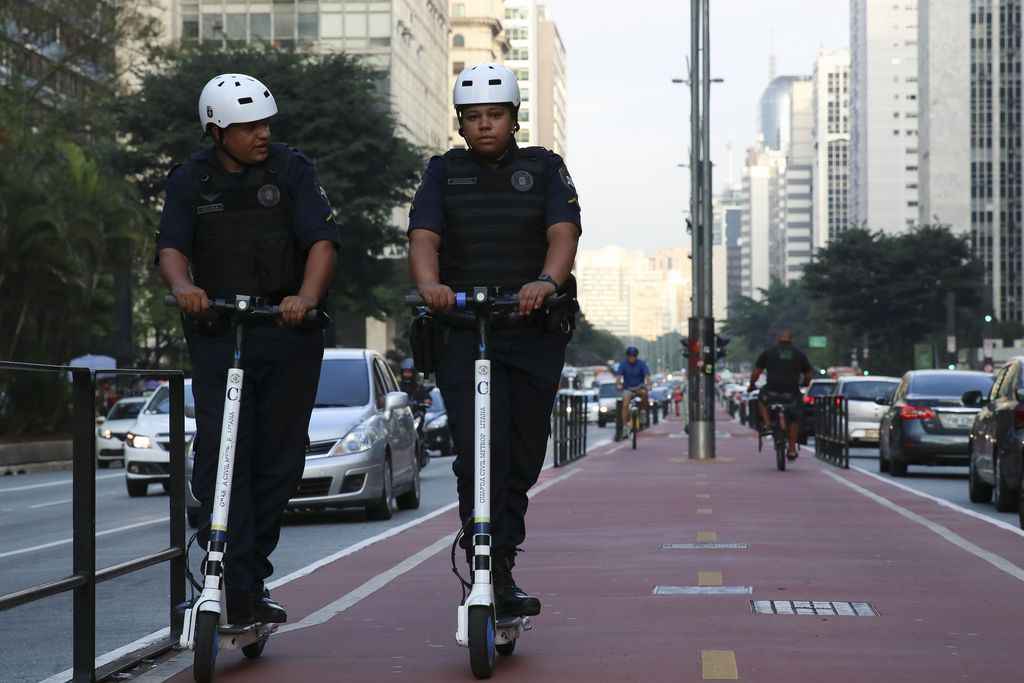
(332, 108)
(591, 345)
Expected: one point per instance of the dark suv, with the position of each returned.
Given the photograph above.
(997, 439)
(818, 387)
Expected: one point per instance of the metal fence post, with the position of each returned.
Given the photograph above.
(846, 434)
(177, 502)
(618, 419)
(84, 525)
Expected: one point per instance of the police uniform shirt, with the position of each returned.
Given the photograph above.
(562, 203)
(312, 215)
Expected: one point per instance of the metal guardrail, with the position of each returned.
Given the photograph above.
(84, 576)
(569, 428)
(832, 430)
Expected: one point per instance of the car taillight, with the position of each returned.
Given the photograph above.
(839, 401)
(809, 400)
(909, 412)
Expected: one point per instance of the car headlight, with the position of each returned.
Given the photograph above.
(358, 440)
(604, 409)
(104, 433)
(138, 441)
(439, 422)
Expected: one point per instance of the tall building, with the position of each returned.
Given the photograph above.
(831, 167)
(774, 121)
(552, 89)
(995, 169)
(478, 37)
(884, 145)
(730, 209)
(796, 221)
(944, 66)
(538, 57)
(406, 39)
(762, 189)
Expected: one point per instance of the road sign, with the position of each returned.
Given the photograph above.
(817, 342)
(923, 357)
(951, 344)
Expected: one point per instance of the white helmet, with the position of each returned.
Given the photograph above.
(235, 98)
(486, 84)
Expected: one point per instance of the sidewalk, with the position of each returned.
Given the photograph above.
(948, 589)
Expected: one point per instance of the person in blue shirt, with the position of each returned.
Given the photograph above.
(636, 379)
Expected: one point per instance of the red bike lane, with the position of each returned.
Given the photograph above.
(946, 589)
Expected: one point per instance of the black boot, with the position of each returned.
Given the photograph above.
(239, 608)
(510, 599)
(267, 610)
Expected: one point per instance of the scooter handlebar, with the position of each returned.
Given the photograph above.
(228, 306)
(464, 300)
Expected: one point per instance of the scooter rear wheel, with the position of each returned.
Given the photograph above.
(254, 650)
(481, 641)
(207, 643)
(506, 649)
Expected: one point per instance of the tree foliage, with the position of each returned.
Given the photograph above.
(592, 346)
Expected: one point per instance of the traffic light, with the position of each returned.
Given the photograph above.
(720, 344)
(685, 343)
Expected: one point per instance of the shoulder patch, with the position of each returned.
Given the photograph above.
(563, 173)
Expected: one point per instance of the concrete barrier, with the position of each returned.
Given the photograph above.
(14, 456)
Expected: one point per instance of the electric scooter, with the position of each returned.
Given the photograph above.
(205, 629)
(479, 627)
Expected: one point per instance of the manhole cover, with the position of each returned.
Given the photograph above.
(813, 607)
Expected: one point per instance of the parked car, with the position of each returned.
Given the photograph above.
(863, 394)
(362, 450)
(147, 443)
(817, 387)
(436, 432)
(607, 394)
(926, 422)
(593, 405)
(997, 439)
(112, 429)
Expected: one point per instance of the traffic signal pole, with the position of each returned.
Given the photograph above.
(702, 345)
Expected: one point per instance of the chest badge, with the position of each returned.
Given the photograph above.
(522, 181)
(268, 195)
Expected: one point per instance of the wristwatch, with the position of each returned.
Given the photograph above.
(544, 277)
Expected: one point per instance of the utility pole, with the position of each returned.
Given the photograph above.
(701, 367)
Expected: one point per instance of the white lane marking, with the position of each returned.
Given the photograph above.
(66, 541)
(946, 503)
(55, 483)
(354, 597)
(997, 561)
(46, 505)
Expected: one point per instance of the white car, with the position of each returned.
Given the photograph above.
(866, 414)
(113, 428)
(147, 444)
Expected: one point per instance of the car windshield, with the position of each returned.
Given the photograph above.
(344, 383)
(953, 385)
(125, 410)
(820, 388)
(436, 401)
(608, 391)
(867, 391)
(160, 403)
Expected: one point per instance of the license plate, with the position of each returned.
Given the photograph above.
(871, 434)
(956, 421)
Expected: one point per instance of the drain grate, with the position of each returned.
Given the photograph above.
(813, 607)
(705, 546)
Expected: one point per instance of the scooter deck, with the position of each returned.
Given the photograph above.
(508, 629)
(237, 637)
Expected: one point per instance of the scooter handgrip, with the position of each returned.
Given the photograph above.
(170, 300)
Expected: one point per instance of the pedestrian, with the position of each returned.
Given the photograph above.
(508, 218)
(248, 217)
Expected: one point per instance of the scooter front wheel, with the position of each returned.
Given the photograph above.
(481, 641)
(207, 644)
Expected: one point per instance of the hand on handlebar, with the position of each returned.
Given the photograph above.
(294, 309)
(191, 299)
(437, 297)
(533, 294)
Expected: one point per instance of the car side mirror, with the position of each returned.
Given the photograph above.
(972, 398)
(396, 400)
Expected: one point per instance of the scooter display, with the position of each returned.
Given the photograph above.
(205, 629)
(479, 627)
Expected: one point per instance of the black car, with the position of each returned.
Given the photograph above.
(997, 439)
(818, 387)
(926, 421)
(435, 428)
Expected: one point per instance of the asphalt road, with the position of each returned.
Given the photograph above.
(35, 546)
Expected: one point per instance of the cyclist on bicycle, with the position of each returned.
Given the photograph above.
(636, 378)
(788, 369)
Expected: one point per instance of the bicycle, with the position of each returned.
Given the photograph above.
(634, 417)
(777, 404)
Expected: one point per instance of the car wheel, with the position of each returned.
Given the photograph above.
(897, 466)
(410, 500)
(979, 491)
(1003, 496)
(136, 489)
(446, 449)
(382, 509)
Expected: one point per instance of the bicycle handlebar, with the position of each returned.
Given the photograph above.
(246, 307)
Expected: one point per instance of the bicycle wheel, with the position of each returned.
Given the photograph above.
(780, 450)
(636, 428)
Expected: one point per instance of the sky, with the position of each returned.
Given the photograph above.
(629, 124)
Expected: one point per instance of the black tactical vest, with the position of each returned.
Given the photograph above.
(243, 241)
(495, 232)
